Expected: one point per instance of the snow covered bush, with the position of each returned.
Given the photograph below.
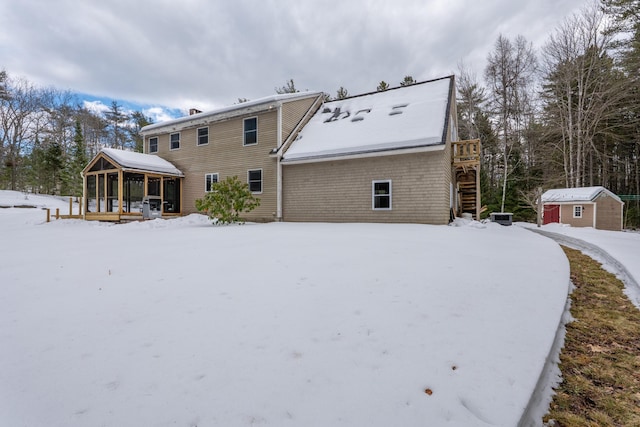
(227, 200)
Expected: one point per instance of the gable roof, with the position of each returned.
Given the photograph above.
(405, 117)
(580, 194)
(223, 113)
(130, 160)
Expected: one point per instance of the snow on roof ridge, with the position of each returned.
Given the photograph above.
(142, 161)
(575, 194)
(230, 108)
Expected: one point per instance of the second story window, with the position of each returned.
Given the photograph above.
(203, 136)
(153, 144)
(175, 141)
(250, 131)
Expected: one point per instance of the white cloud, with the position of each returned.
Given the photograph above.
(97, 107)
(207, 53)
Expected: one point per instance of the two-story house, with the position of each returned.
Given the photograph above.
(389, 156)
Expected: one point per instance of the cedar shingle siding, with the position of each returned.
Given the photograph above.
(226, 155)
(609, 215)
(340, 191)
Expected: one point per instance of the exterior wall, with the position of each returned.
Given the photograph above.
(609, 214)
(227, 156)
(292, 113)
(566, 214)
(341, 190)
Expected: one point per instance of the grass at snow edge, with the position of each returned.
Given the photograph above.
(600, 361)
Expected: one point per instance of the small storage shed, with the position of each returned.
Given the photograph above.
(594, 207)
(117, 182)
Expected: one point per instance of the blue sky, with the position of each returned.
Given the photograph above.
(156, 113)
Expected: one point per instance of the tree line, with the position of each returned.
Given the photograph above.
(47, 136)
(566, 115)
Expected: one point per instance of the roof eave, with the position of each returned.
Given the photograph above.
(364, 154)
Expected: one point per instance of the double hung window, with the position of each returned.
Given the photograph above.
(381, 195)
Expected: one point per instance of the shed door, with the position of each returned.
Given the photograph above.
(551, 214)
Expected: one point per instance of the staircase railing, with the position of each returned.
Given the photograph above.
(466, 151)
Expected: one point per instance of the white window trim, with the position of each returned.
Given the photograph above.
(206, 175)
(179, 141)
(261, 180)
(157, 146)
(244, 133)
(581, 211)
(373, 194)
(198, 136)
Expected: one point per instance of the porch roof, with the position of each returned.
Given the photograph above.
(130, 160)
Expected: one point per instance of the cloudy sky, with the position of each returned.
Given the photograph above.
(209, 53)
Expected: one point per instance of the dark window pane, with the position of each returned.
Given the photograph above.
(382, 202)
(251, 131)
(203, 136)
(175, 141)
(255, 181)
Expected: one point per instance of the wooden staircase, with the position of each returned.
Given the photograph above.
(466, 168)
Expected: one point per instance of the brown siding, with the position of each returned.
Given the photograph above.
(226, 155)
(340, 191)
(292, 113)
(609, 214)
(566, 214)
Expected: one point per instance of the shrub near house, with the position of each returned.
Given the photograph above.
(227, 200)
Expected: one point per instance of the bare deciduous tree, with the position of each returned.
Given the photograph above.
(509, 74)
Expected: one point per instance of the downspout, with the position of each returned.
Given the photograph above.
(279, 166)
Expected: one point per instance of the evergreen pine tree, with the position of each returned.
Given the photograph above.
(117, 119)
(342, 93)
(289, 87)
(78, 160)
(382, 86)
(139, 120)
(407, 81)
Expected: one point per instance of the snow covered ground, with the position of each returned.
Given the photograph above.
(180, 323)
(619, 252)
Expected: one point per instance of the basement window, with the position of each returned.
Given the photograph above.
(381, 195)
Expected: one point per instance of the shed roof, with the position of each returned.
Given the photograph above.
(405, 117)
(580, 194)
(140, 161)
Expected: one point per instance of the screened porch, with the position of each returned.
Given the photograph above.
(121, 185)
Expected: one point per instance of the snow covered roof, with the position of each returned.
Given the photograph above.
(229, 111)
(580, 194)
(405, 117)
(140, 161)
